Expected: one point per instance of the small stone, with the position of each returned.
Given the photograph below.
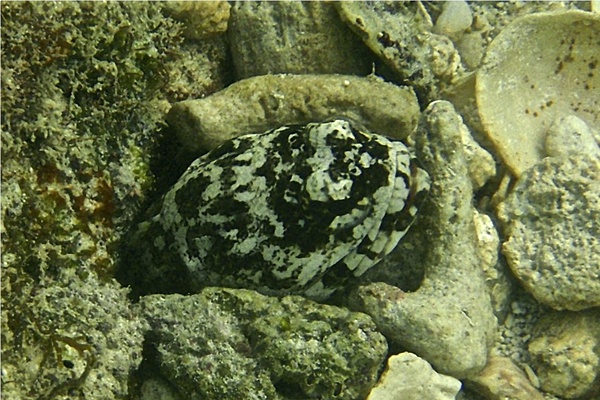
(410, 377)
(501, 379)
(228, 344)
(297, 37)
(565, 350)
(496, 274)
(456, 17)
(571, 135)
(552, 222)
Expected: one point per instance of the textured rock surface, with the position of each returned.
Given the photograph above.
(85, 87)
(565, 350)
(571, 135)
(501, 379)
(84, 339)
(296, 210)
(293, 37)
(552, 222)
(240, 344)
(264, 102)
(410, 377)
(448, 321)
(400, 34)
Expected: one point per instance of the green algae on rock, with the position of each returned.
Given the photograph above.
(296, 210)
(85, 86)
(243, 345)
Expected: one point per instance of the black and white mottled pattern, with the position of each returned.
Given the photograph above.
(298, 209)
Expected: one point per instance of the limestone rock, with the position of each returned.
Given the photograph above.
(552, 222)
(540, 67)
(565, 350)
(264, 102)
(501, 379)
(409, 377)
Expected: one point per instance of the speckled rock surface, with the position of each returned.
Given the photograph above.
(448, 321)
(501, 379)
(240, 344)
(552, 222)
(552, 72)
(265, 102)
(565, 350)
(312, 40)
(410, 377)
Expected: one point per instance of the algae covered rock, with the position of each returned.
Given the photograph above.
(235, 343)
(565, 350)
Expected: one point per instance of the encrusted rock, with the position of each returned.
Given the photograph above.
(565, 350)
(449, 320)
(299, 37)
(229, 344)
(410, 377)
(552, 222)
(264, 102)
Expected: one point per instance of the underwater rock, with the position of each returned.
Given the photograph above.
(501, 379)
(449, 320)
(571, 135)
(265, 102)
(230, 344)
(541, 67)
(552, 222)
(296, 210)
(299, 37)
(399, 32)
(410, 377)
(565, 350)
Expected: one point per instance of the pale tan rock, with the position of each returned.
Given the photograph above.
(565, 350)
(552, 224)
(501, 379)
(541, 67)
(264, 102)
(409, 377)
